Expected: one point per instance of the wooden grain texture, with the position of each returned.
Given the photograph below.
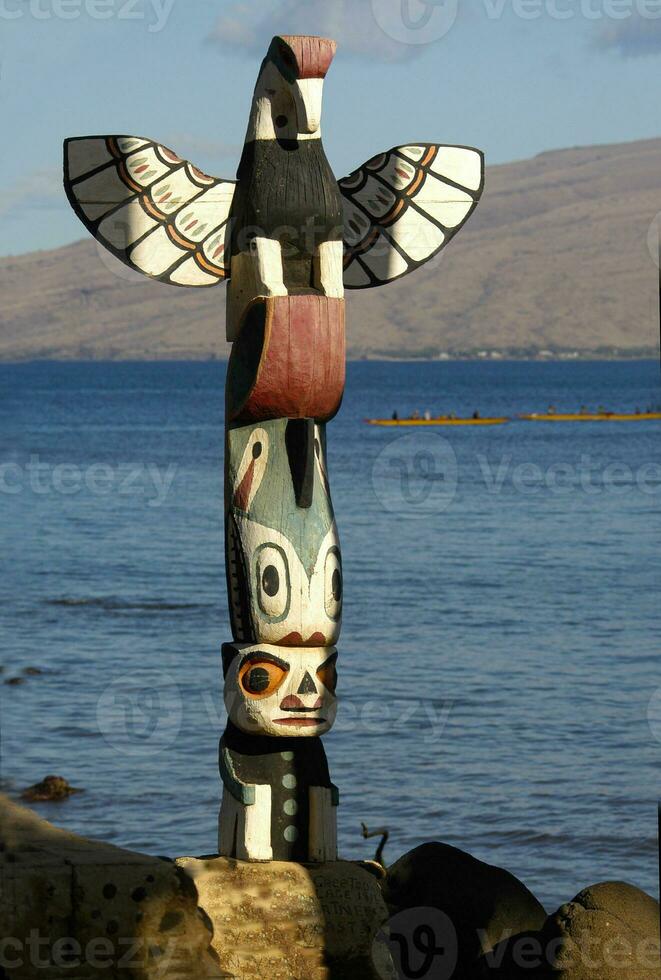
(295, 237)
(284, 772)
(288, 360)
(313, 55)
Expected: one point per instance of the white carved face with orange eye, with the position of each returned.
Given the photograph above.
(273, 691)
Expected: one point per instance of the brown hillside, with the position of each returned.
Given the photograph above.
(554, 259)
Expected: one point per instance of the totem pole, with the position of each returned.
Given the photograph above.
(289, 238)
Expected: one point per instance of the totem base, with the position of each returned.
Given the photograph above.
(280, 919)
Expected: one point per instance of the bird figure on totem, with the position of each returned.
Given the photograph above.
(289, 238)
(285, 226)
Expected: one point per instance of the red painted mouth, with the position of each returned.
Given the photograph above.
(300, 722)
(296, 640)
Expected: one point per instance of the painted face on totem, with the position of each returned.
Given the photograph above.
(274, 691)
(283, 555)
(287, 99)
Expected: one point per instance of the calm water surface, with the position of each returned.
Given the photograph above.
(499, 674)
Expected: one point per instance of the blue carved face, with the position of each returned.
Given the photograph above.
(283, 554)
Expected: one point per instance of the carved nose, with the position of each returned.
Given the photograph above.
(307, 685)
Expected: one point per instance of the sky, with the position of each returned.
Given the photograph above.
(513, 77)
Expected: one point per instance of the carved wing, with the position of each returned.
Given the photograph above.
(155, 212)
(404, 206)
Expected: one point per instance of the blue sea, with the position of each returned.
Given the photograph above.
(499, 659)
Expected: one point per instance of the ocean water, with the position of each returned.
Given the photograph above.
(499, 678)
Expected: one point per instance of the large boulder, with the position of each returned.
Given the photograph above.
(283, 920)
(76, 907)
(471, 910)
(609, 931)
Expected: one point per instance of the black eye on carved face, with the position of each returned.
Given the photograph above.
(256, 450)
(256, 680)
(333, 584)
(281, 121)
(272, 581)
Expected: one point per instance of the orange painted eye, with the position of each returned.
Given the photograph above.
(327, 674)
(260, 678)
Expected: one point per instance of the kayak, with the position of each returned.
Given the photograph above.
(591, 417)
(485, 421)
(532, 417)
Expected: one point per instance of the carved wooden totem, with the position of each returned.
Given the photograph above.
(289, 238)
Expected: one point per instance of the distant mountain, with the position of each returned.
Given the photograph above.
(554, 261)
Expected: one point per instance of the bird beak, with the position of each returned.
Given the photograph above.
(307, 94)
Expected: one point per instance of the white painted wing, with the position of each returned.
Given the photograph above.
(404, 206)
(155, 212)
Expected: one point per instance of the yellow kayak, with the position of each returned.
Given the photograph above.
(485, 421)
(591, 417)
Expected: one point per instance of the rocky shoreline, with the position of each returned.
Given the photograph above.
(76, 907)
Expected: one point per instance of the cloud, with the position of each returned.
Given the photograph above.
(41, 190)
(352, 23)
(632, 38)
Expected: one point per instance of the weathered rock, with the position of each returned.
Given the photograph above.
(483, 905)
(51, 788)
(73, 907)
(283, 920)
(609, 931)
